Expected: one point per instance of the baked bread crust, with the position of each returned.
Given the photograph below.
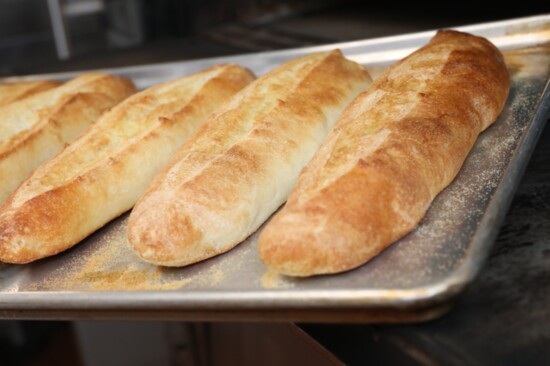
(239, 167)
(103, 173)
(15, 91)
(393, 150)
(34, 129)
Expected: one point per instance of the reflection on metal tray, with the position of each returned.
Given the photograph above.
(415, 279)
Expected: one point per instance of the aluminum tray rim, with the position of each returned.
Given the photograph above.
(402, 300)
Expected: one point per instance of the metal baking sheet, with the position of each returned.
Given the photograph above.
(415, 279)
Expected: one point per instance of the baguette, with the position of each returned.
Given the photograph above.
(393, 150)
(35, 128)
(238, 168)
(16, 91)
(102, 174)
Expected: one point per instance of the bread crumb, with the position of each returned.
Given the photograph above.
(110, 265)
(272, 280)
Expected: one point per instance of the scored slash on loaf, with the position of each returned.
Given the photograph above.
(239, 167)
(103, 173)
(35, 128)
(393, 150)
(16, 91)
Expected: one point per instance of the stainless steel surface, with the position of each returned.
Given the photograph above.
(415, 279)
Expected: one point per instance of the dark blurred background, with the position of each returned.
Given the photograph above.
(41, 36)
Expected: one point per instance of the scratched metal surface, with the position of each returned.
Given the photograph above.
(415, 279)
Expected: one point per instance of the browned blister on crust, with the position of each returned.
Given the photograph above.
(392, 151)
(103, 173)
(239, 167)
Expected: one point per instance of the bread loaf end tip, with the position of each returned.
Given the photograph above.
(173, 244)
(311, 246)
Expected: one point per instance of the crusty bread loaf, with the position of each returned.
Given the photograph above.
(104, 172)
(15, 91)
(393, 150)
(33, 129)
(240, 165)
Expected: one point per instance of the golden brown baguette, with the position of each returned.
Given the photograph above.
(15, 91)
(34, 129)
(103, 173)
(393, 150)
(240, 165)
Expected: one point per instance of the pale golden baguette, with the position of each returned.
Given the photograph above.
(392, 151)
(240, 165)
(103, 173)
(15, 91)
(34, 129)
